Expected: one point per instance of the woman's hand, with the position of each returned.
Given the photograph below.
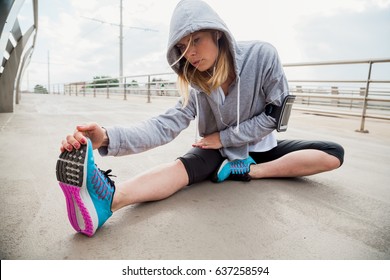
(211, 141)
(93, 131)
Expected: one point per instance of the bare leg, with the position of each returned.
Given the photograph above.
(155, 184)
(296, 164)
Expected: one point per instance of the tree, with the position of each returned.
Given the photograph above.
(160, 84)
(40, 89)
(133, 83)
(102, 81)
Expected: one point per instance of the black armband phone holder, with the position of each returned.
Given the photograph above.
(281, 113)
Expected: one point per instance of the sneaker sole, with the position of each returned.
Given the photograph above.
(71, 171)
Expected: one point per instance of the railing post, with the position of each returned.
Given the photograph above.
(363, 118)
(108, 90)
(124, 90)
(334, 90)
(148, 89)
(94, 90)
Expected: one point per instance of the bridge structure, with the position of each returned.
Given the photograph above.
(16, 49)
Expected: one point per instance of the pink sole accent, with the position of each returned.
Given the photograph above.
(72, 195)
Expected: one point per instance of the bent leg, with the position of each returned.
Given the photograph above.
(297, 158)
(295, 164)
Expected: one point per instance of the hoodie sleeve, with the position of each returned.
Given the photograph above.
(274, 88)
(149, 134)
(264, 124)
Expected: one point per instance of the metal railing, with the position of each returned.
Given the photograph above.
(363, 97)
(162, 84)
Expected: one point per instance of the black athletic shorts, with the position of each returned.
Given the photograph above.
(201, 164)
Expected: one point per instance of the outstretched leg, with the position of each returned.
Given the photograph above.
(155, 184)
(91, 196)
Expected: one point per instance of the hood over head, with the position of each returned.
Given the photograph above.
(188, 17)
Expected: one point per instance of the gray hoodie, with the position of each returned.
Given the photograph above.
(240, 118)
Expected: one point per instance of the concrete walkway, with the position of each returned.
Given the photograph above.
(343, 214)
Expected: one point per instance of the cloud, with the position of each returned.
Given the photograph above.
(348, 35)
(301, 30)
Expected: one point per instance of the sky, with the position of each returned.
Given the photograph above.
(79, 46)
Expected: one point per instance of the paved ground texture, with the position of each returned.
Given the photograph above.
(343, 214)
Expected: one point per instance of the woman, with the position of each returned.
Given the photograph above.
(226, 87)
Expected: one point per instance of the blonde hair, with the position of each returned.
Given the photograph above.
(207, 82)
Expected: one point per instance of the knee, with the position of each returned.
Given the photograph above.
(332, 162)
(335, 156)
(338, 153)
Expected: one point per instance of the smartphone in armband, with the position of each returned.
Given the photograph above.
(281, 113)
(284, 115)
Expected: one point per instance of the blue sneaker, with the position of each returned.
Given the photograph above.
(88, 190)
(235, 170)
